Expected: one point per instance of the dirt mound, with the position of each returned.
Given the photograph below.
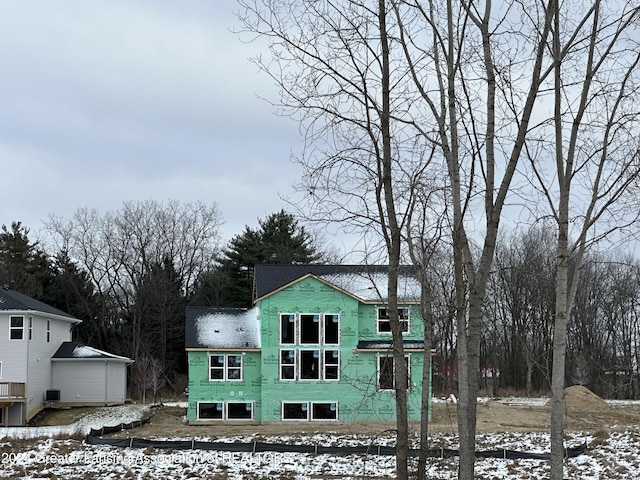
(579, 397)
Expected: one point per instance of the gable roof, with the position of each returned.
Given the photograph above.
(368, 283)
(75, 350)
(222, 328)
(10, 300)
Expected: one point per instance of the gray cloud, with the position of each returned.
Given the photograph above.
(107, 101)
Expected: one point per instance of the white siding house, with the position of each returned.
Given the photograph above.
(31, 334)
(87, 376)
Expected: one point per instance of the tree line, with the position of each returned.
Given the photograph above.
(129, 275)
(516, 345)
(517, 328)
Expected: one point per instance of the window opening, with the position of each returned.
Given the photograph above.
(210, 410)
(295, 411)
(310, 329)
(287, 364)
(331, 364)
(384, 325)
(309, 364)
(324, 411)
(331, 329)
(16, 329)
(287, 329)
(240, 410)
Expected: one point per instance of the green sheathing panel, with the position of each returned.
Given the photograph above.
(355, 394)
(201, 389)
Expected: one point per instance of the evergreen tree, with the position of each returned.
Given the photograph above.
(24, 266)
(279, 239)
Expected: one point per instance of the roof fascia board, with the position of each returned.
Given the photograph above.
(44, 314)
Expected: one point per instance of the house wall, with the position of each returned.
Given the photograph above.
(355, 393)
(41, 346)
(116, 382)
(201, 389)
(89, 382)
(28, 360)
(12, 352)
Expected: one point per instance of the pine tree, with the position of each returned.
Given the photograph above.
(279, 239)
(24, 266)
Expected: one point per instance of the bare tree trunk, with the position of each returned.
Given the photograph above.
(392, 234)
(425, 404)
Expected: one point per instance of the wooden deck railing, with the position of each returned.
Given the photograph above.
(11, 390)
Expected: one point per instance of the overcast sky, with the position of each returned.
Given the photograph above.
(103, 102)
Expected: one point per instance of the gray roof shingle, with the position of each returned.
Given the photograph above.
(367, 282)
(75, 350)
(12, 300)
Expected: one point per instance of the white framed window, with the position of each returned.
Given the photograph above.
(309, 364)
(324, 411)
(225, 411)
(295, 410)
(223, 368)
(210, 411)
(16, 328)
(305, 411)
(385, 373)
(48, 331)
(309, 329)
(288, 329)
(331, 329)
(331, 365)
(383, 325)
(288, 364)
(239, 411)
(30, 328)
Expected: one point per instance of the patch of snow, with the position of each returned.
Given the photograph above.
(100, 417)
(610, 456)
(83, 351)
(220, 330)
(372, 287)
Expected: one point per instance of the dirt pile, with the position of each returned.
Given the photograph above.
(578, 397)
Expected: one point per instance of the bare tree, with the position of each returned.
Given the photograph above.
(342, 74)
(148, 374)
(423, 236)
(119, 249)
(592, 141)
(478, 68)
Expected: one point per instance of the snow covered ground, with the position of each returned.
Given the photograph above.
(59, 452)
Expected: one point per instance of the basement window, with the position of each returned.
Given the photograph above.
(295, 411)
(324, 411)
(240, 411)
(210, 411)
